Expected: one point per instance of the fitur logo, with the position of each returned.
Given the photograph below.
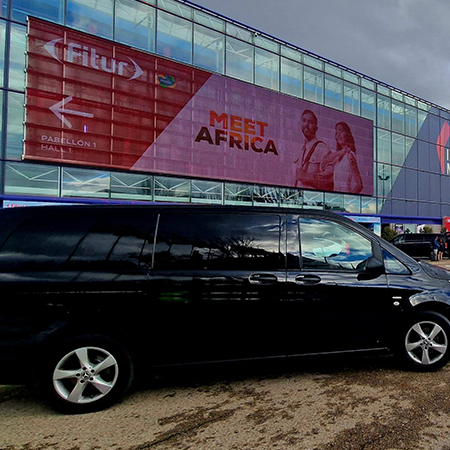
(89, 57)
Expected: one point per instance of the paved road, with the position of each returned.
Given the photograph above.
(318, 404)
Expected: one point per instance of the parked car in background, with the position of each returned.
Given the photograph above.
(94, 295)
(418, 245)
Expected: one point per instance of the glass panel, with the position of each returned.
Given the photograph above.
(384, 180)
(421, 117)
(14, 125)
(206, 192)
(313, 62)
(398, 117)
(396, 95)
(409, 143)
(352, 203)
(266, 69)
(2, 50)
(367, 84)
(423, 106)
(411, 121)
(266, 43)
(4, 8)
(351, 77)
(312, 200)
(131, 186)
(384, 112)
(238, 194)
(368, 104)
(292, 198)
(291, 53)
(328, 245)
(383, 90)
(172, 189)
(333, 70)
(85, 183)
(209, 49)
(239, 59)
(218, 242)
(93, 17)
(266, 195)
(1, 127)
(313, 87)
(239, 33)
(398, 149)
(46, 9)
(135, 24)
(447, 152)
(334, 202)
(18, 57)
(333, 92)
(291, 77)
(368, 205)
(395, 171)
(410, 101)
(209, 21)
(176, 8)
(351, 98)
(174, 37)
(31, 179)
(384, 146)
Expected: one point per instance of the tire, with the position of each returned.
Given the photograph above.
(425, 342)
(86, 374)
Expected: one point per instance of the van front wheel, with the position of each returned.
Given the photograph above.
(426, 342)
(87, 374)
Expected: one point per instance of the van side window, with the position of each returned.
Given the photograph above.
(218, 242)
(393, 265)
(80, 241)
(117, 242)
(331, 246)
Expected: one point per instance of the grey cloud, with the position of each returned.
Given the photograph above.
(405, 43)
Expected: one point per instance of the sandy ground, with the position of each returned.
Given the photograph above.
(318, 404)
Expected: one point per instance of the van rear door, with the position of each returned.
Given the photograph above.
(216, 278)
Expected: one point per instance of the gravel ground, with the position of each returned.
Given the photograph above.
(318, 404)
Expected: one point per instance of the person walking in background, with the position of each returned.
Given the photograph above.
(347, 177)
(310, 172)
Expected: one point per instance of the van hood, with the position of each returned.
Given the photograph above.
(435, 271)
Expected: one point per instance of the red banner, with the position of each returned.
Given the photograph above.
(96, 103)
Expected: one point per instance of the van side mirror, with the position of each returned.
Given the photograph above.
(374, 268)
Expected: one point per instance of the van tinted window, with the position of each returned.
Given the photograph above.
(76, 241)
(218, 242)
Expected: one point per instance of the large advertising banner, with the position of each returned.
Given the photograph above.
(96, 103)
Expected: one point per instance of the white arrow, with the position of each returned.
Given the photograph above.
(58, 110)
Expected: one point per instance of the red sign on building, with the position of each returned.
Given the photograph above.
(96, 103)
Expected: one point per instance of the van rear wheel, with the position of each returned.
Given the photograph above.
(87, 374)
(426, 342)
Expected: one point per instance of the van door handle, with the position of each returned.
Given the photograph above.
(307, 279)
(262, 278)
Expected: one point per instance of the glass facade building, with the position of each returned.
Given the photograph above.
(410, 151)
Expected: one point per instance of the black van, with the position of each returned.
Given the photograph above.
(418, 245)
(94, 294)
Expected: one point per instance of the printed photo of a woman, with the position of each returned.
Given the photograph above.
(347, 177)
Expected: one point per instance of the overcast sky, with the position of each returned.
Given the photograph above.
(404, 43)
